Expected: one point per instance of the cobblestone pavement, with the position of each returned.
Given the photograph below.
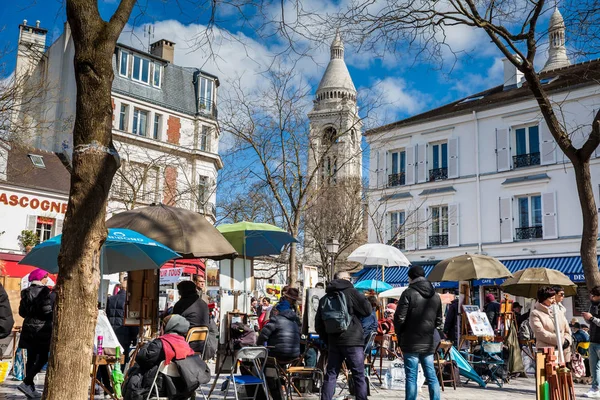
(517, 389)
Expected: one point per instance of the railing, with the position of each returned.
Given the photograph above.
(525, 160)
(438, 174)
(396, 179)
(207, 106)
(397, 243)
(438, 240)
(529, 232)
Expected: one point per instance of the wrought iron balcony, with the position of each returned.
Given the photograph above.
(529, 232)
(438, 174)
(525, 160)
(397, 243)
(396, 179)
(438, 240)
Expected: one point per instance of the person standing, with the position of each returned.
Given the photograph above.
(451, 322)
(192, 308)
(492, 310)
(593, 318)
(115, 312)
(542, 319)
(418, 316)
(559, 297)
(36, 307)
(343, 337)
(6, 317)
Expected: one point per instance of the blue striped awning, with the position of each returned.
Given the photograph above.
(398, 276)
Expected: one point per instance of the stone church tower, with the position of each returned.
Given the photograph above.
(557, 51)
(335, 128)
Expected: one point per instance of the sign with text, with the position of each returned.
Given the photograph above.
(170, 275)
(478, 321)
(32, 202)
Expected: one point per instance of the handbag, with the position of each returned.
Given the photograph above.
(193, 371)
(18, 370)
(577, 365)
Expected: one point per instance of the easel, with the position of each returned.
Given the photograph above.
(465, 332)
(553, 381)
(507, 316)
(97, 361)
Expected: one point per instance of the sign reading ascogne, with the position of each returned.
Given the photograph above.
(15, 200)
(170, 275)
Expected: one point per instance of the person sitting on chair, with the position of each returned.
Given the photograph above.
(169, 347)
(282, 333)
(193, 309)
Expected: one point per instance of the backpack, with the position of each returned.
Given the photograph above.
(242, 335)
(334, 311)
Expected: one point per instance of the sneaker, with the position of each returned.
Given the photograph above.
(593, 394)
(29, 391)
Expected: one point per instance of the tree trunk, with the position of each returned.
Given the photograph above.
(293, 269)
(95, 162)
(589, 236)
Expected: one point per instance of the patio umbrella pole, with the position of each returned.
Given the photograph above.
(382, 273)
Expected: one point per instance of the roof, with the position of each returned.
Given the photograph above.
(21, 171)
(336, 75)
(567, 78)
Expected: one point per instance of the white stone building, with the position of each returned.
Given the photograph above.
(484, 175)
(165, 119)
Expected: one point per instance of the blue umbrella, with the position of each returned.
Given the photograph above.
(124, 250)
(464, 368)
(373, 284)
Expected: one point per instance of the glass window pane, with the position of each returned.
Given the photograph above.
(143, 122)
(202, 91)
(534, 139)
(123, 117)
(401, 218)
(536, 208)
(521, 141)
(209, 95)
(394, 163)
(402, 161)
(444, 155)
(393, 225)
(436, 156)
(145, 70)
(523, 212)
(136, 67)
(156, 126)
(136, 114)
(435, 218)
(124, 63)
(445, 220)
(157, 71)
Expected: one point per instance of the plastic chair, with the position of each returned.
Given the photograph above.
(169, 370)
(199, 333)
(258, 357)
(443, 357)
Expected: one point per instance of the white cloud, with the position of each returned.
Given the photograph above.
(471, 83)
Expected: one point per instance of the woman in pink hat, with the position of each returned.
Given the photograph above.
(37, 304)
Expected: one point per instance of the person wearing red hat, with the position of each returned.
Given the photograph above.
(492, 309)
(36, 307)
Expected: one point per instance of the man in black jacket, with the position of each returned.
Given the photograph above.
(347, 345)
(115, 311)
(282, 333)
(418, 315)
(6, 317)
(192, 308)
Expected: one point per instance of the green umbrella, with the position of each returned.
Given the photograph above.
(252, 239)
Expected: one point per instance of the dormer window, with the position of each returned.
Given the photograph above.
(157, 75)
(205, 94)
(37, 161)
(141, 70)
(123, 63)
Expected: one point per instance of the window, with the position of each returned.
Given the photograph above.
(140, 121)
(330, 136)
(123, 116)
(138, 183)
(44, 228)
(398, 170)
(157, 125)
(530, 217)
(439, 161)
(396, 234)
(205, 138)
(329, 170)
(157, 75)
(141, 69)
(205, 94)
(203, 192)
(527, 145)
(124, 63)
(37, 160)
(439, 226)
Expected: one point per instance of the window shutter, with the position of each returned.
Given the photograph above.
(58, 226)
(31, 222)
(380, 170)
(453, 228)
(423, 230)
(453, 158)
(388, 228)
(506, 220)
(503, 149)
(411, 231)
(547, 145)
(549, 223)
(422, 163)
(411, 159)
(385, 169)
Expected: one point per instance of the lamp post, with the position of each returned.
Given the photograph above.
(332, 246)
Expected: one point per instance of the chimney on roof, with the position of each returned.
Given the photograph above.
(512, 76)
(164, 49)
(32, 44)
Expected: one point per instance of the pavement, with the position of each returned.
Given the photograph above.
(516, 389)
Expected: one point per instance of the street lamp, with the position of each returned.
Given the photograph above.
(332, 246)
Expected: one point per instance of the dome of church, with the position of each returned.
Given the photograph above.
(337, 77)
(556, 20)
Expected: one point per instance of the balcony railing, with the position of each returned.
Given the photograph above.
(397, 243)
(207, 106)
(438, 240)
(529, 232)
(396, 179)
(525, 160)
(438, 174)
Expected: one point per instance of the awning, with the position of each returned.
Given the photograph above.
(191, 266)
(398, 276)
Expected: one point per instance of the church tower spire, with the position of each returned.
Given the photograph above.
(337, 47)
(557, 51)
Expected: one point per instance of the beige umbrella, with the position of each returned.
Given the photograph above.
(468, 267)
(186, 232)
(527, 282)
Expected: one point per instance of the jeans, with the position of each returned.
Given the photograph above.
(411, 368)
(355, 360)
(37, 357)
(594, 364)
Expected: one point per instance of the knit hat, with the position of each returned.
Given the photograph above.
(283, 305)
(37, 275)
(416, 271)
(489, 298)
(177, 324)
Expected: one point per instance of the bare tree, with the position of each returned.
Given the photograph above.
(513, 27)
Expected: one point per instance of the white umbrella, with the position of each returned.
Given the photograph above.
(379, 254)
(393, 293)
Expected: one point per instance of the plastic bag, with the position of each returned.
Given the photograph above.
(4, 370)
(19, 367)
(395, 376)
(528, 363)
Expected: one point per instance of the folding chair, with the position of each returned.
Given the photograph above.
(199, 333)
(443, 357)
(368, 349)
(258, 357)
(169, 370)
(491, 361)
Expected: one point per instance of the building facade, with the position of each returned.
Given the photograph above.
(164, 119)
(484, 175)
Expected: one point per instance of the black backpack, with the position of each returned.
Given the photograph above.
(334, 312)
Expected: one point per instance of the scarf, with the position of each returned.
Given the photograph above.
(175, 347)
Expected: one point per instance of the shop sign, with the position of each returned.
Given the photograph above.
(34, 203)
(170, 275)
